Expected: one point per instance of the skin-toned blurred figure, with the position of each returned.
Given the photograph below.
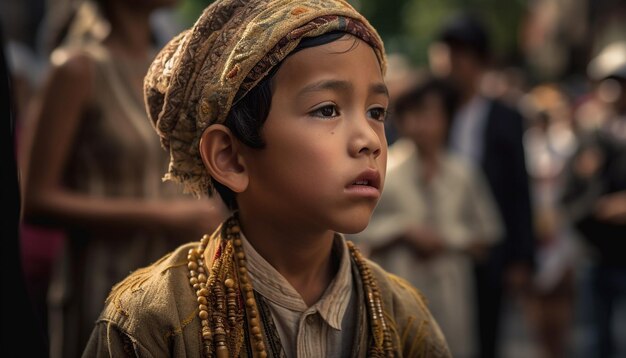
(94, 166)
(549, 142)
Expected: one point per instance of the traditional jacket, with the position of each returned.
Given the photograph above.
(154, 313)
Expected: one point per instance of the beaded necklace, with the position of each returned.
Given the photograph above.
(226, 300)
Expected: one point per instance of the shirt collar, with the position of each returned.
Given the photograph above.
(273, 286)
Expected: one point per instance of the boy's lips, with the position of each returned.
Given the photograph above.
(366, 184)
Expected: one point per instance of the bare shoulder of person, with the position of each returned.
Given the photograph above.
(72, 70)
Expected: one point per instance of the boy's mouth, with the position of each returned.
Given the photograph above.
(368, 178)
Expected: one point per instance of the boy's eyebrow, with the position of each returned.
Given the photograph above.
(338, 85)
(379, 88)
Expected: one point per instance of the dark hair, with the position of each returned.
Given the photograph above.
(468, 32)
(247, 116)
(245, 120)
(414, 98)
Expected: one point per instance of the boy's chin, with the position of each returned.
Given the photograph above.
(354, 225)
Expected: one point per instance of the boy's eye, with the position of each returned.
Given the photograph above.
(378, 113)
(326, 111)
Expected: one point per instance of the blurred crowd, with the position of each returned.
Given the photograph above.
(94, 205)
(504, 203)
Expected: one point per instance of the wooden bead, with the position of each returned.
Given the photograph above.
(225, 310)
(207, 335)
(221, 351)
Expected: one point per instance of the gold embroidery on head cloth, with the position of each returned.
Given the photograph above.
(197, 76)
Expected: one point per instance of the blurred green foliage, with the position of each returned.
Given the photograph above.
(190, 10)
(409, 26)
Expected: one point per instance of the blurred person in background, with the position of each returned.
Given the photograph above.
(488, 134)
(94, 164)
(549, 142)
(400, 77)
(594, 198)
(435, 214)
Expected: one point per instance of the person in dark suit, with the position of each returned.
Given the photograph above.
(488, 134)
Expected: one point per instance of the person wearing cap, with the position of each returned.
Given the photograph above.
(488, 134)
(278, 107)
(594, 198)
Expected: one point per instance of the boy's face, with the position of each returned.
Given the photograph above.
(324, 163)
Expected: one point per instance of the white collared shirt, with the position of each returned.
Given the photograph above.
(326, 329)
(468, 128)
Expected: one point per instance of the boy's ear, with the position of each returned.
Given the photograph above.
(220, 155)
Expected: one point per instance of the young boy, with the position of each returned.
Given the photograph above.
(279, 107)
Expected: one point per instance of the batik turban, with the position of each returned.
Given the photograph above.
(198, 75)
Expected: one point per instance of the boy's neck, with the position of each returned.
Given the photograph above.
(303, 258)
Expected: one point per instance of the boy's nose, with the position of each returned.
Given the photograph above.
(365, 139)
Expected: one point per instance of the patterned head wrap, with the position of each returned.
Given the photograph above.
(195, 79)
